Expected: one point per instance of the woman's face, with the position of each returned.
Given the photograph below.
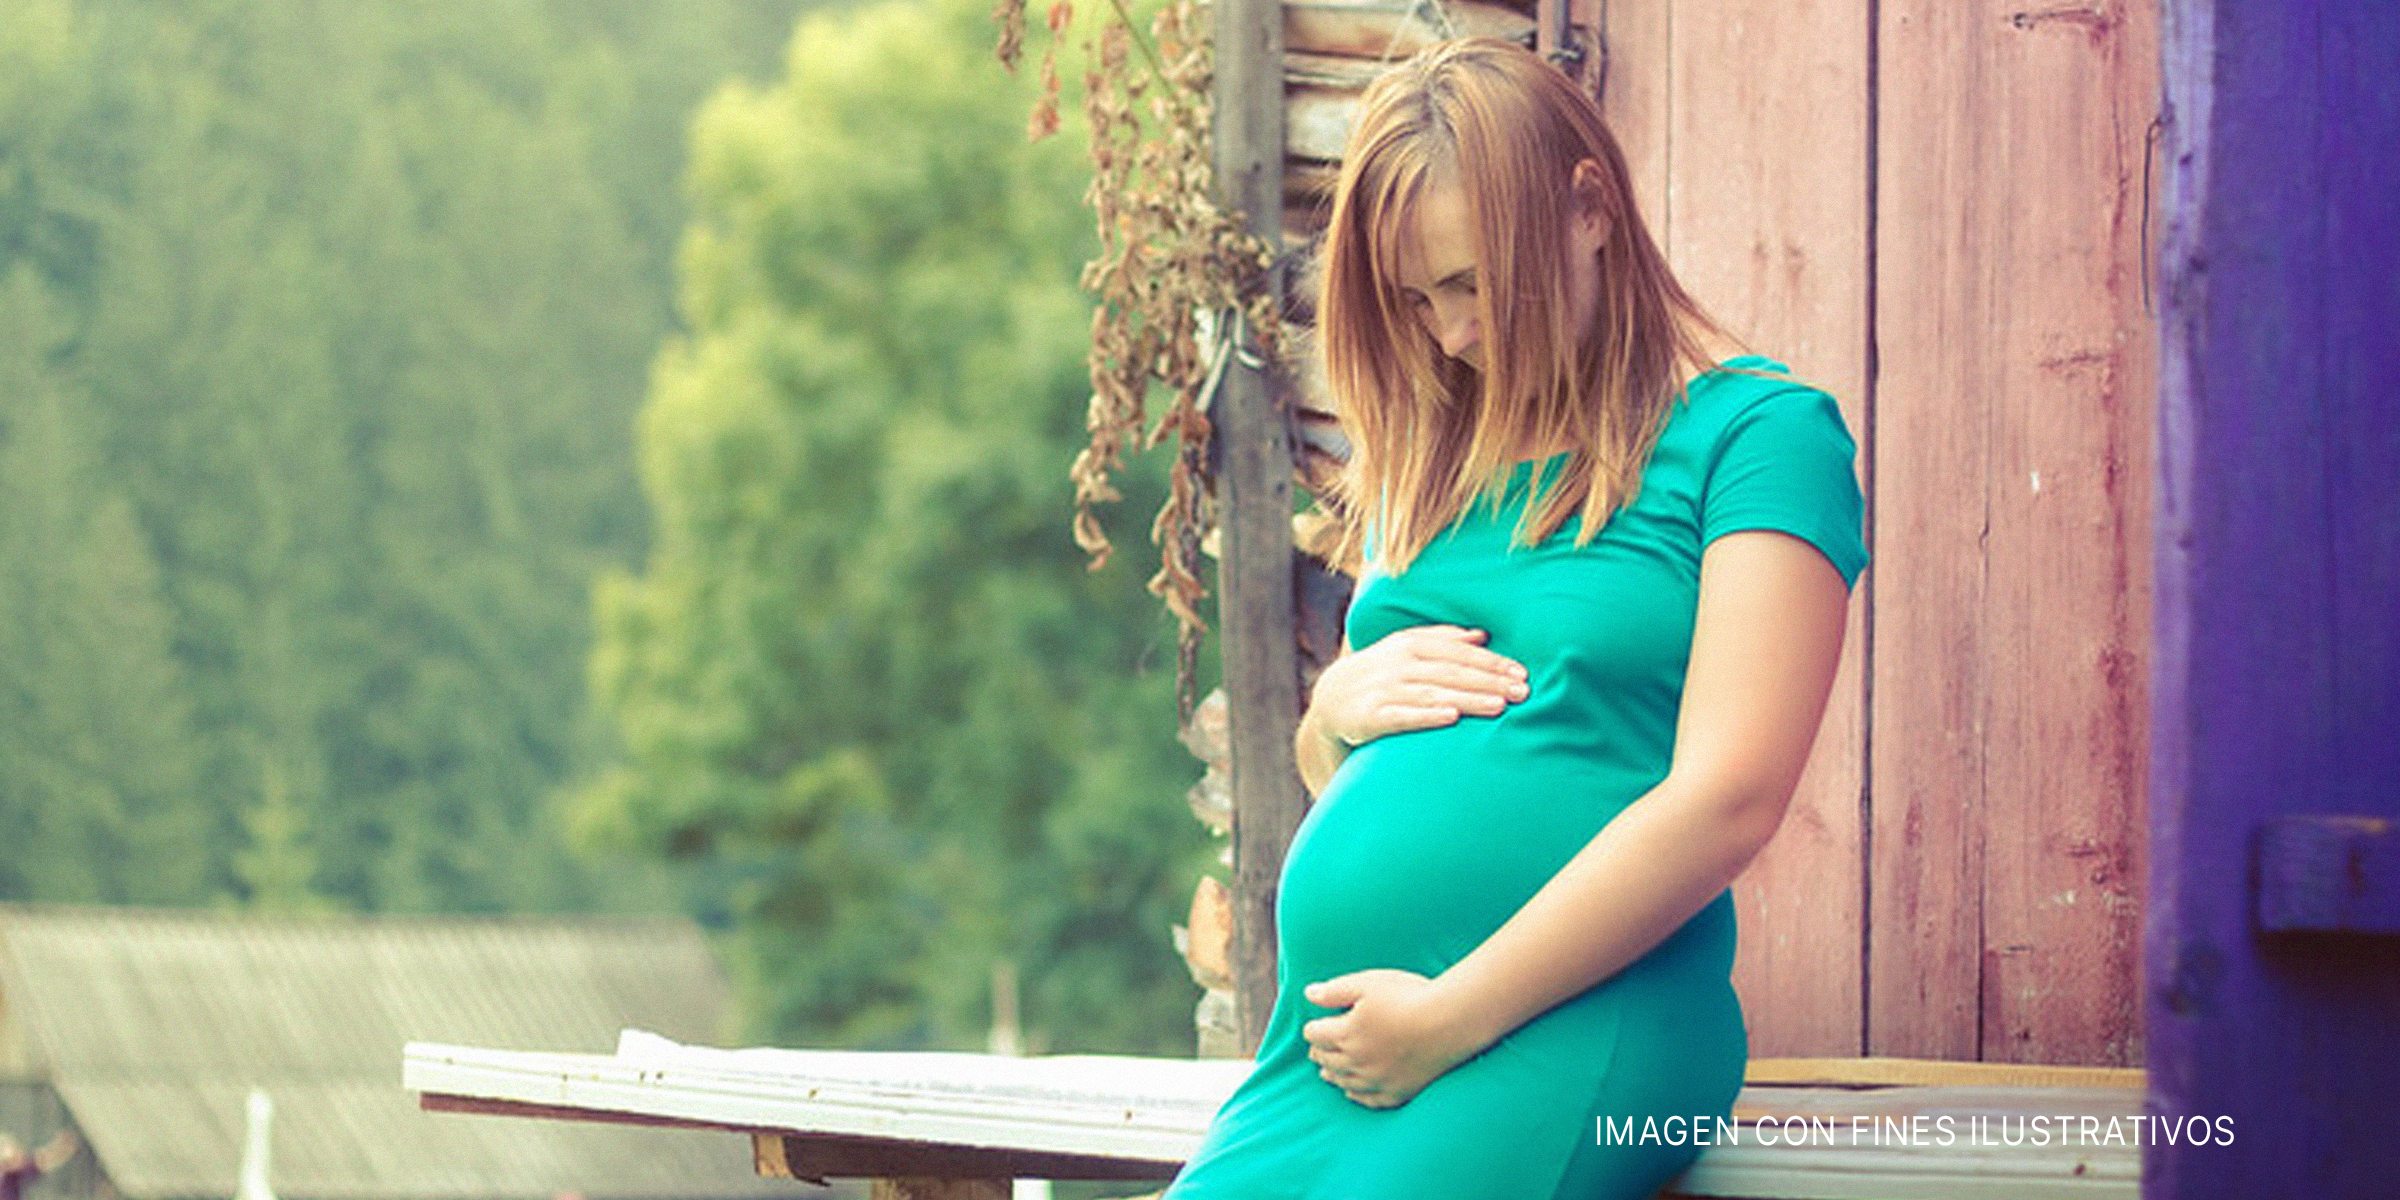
(1439, 276)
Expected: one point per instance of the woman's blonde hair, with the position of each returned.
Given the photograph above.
(1428, 435)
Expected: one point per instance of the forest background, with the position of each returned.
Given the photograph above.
(556, 456)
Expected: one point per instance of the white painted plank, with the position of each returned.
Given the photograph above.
(1150, 1110)
(1065, 1105)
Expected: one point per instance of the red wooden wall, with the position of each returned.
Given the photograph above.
(1937, 210)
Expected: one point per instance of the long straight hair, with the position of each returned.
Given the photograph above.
(1428, 434)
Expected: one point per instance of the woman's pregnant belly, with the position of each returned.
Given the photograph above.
(1425, 842)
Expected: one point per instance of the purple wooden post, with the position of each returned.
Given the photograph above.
(2277, 698)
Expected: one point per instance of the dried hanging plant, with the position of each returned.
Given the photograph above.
(1178, 282)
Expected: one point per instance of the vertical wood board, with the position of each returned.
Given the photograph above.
(2076, 741)
(2011, 624)
(1252, 447)
(2067, 554)
(1925, 762)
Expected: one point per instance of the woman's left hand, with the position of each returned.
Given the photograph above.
(1396, 1036)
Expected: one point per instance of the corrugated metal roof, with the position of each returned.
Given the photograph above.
(153, 1026)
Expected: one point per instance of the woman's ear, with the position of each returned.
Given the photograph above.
(1595, 219)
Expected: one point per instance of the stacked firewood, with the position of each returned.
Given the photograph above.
(1206, 942)
(1332, 49)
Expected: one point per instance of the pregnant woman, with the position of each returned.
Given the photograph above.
(1603, 580)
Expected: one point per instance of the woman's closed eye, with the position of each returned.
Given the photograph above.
(1461, 285)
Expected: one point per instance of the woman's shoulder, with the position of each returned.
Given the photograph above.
(1744, 391)
(1773, 452)
(1742, 382)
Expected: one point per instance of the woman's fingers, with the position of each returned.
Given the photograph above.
(1398, 718)
(1416, 708)
(1440, 692)
(1333, 1067)
(1445, 653)
(1457, 677)
(1465, 648)
(1416, 678)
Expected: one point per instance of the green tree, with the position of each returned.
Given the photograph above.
(863, 673)
(97, 750)
(325, 326)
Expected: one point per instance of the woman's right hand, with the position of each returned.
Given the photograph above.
(1416, 678)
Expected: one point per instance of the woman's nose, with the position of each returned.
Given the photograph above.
(1455, 327)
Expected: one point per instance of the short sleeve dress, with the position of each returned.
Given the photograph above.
(1424, 842)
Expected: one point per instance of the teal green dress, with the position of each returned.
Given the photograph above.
(1424, 842)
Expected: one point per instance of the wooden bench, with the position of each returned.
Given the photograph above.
(934, 1126)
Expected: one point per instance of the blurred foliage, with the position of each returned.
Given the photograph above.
(325, 333)
(863, 671)
(322, 328)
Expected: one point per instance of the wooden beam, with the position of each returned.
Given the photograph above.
(447, 1103)
(1823, 1137)
(1389, 30)
(1253, 453)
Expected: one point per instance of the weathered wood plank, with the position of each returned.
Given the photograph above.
(2070, 534)
(821, 1157)
(1948, 1142)
(2016, 364)
(2010, 638)
(1931, 666)
(1330, 70)
(2119, 1100)
(450, 1103)
(1768, 119)
(1317, 121)
(1919, 1072)
(782, 1093)
(1394, 29)
(1253, 455)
